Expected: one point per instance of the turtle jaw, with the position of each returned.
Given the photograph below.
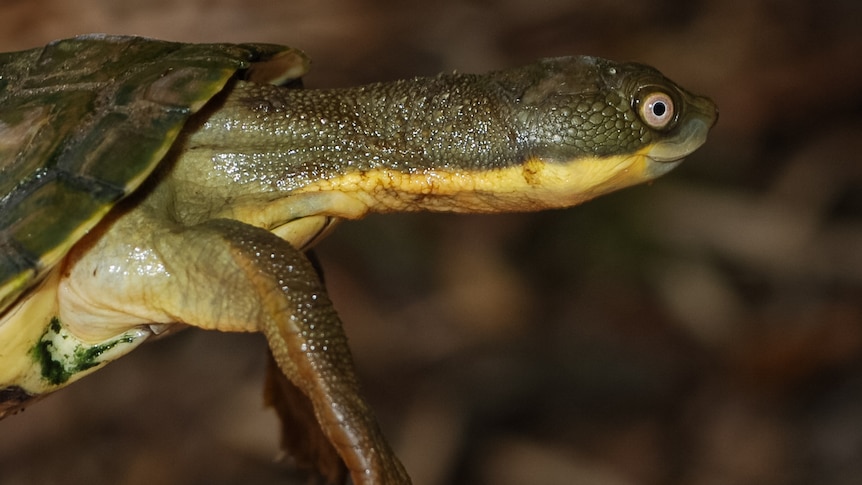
(601, 175)
(686, 138)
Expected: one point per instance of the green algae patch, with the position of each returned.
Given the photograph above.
(61, 355)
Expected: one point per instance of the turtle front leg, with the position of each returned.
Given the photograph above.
(227, 275)
(309, 345)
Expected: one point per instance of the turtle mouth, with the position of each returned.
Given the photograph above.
(689, 136)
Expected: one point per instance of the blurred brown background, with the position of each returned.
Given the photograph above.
(704, 329)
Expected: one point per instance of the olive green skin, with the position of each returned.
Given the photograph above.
(148, 184)
(555, 109)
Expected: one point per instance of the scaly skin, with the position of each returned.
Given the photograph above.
(214, 238)
(551, 134)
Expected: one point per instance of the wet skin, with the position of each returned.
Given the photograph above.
(215, 236)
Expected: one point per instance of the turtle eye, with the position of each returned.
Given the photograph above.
(656, 110)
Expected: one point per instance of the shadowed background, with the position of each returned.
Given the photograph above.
(703, 329)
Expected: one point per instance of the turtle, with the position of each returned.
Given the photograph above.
(147, 186)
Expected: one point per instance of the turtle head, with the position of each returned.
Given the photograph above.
(615, 123)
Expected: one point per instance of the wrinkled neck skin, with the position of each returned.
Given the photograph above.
(454, 122)
(391, 146)
(447, 143)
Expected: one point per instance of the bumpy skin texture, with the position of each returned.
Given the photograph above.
(463, 122)
(309, 345)
(460, 139)
(311, 349)
(213, 231)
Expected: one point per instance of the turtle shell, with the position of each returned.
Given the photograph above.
(84, 121)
